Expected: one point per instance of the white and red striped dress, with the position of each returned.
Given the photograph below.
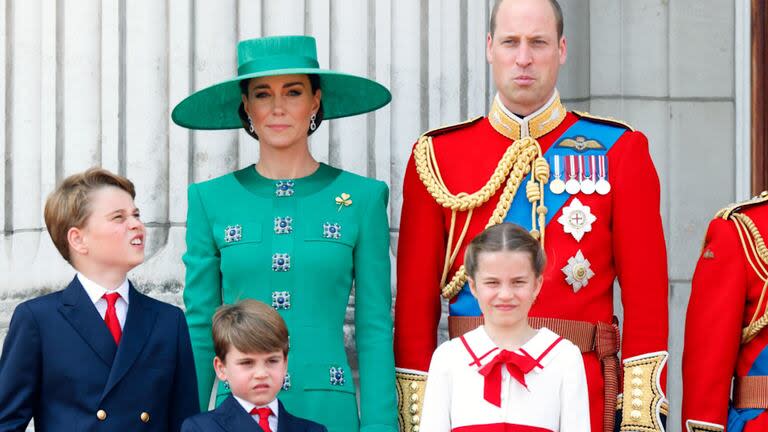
(555, 399)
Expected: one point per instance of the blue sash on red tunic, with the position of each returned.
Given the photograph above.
(738, 418)
(465, 304)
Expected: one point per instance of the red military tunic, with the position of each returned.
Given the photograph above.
(728, 287)
(626, 242)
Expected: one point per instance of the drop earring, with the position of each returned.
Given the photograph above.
(312, 124)
(250, 124)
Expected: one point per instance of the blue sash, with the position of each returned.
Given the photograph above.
(738, 418)
(519, 212)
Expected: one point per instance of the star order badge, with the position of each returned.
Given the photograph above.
(578, 271)
(576, 219)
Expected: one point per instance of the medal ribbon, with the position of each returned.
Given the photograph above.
(603, 174)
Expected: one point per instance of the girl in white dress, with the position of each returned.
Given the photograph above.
(506, 376)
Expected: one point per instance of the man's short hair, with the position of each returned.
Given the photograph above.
(251, 327)
(555, 6)
(69, 205)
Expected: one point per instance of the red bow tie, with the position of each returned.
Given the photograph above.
(518, 365)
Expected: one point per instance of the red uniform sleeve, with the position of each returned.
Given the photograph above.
(639, 249)
(420, 255)
(713, 325)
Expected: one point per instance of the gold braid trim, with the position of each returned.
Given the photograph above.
(520, 158)
(725, 213)
(754, 247)
(700, 426)
(663, 408)
(410, 399)
(643, 401)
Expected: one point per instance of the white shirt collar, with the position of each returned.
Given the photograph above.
(247, 406)
(96, 292)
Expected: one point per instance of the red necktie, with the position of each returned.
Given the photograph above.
(111, 316)
(263, 414)
(517, 365)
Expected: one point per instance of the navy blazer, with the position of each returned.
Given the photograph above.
(61, 366)
(231, 417)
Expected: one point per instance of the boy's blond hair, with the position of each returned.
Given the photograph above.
(69, 205)
(251, 327)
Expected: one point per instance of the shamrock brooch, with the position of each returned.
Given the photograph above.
(343, 200)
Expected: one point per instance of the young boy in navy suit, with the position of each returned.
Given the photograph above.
(99, 355)
(251, 344)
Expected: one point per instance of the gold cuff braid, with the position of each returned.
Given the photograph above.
(643, 397)
(697, 426)
(663, 408)
(410, 399)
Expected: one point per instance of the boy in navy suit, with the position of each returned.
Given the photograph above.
(251, 344)
(99, 355)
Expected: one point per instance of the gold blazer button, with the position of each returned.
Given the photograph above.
(101, 415)
(144, 417)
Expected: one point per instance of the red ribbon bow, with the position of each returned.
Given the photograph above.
(518, 365)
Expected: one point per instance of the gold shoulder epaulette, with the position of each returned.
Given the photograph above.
(445, 129)
(726, 212)
(606, 120)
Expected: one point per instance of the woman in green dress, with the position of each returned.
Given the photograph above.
(294, 233)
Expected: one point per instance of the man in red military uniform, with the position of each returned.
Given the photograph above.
(585, 186)
(725, 336)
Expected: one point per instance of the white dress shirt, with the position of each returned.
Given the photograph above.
(96, 294)
(274, 406)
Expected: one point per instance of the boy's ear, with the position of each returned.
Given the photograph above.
(76, 240)
(220, 368)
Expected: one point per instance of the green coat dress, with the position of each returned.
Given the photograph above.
(299, 245)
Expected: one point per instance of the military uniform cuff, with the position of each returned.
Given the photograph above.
(411, 386)
(644, 402)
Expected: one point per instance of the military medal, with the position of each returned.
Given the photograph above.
(572, 185)
(602, 186)
(578, 271)
(588, 182)
(576, 219)
(557, 186)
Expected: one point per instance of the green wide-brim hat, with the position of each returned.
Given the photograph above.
(344, 95)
